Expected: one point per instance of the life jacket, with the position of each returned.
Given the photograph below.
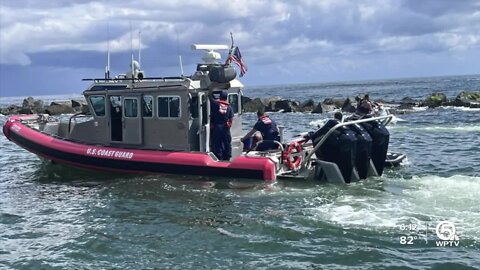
(223, 106)
(222, 113)
(270, 132)
(266, 120)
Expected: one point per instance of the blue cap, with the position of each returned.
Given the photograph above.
(223, 95)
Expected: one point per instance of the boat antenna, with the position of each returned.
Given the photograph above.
(179, 55)
(107, 68)
(181, 64)
(231, 46)
(140, 48)
(131, 49)
(227, 61)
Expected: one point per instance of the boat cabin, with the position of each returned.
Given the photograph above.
(171, 113)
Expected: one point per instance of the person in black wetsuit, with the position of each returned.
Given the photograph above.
(269, 130)
(221, 116)
(317, 135)
(339, 147)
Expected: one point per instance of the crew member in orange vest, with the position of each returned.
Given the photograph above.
(221, 116)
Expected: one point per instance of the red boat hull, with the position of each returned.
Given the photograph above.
(129, 160)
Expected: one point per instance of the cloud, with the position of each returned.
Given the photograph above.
(437, 8)
(81, 26)
(337, 35)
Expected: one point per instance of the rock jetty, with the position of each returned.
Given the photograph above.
(33, 106)
(470, 99)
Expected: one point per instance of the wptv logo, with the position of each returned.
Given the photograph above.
(447, 233)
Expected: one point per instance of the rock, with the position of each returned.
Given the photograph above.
(296, 106)
(347, 106)
(379, 101)
(330, 104)
(328, 101)
(475, 105)
(28, 102)
(245, 99)
(336, 102)
(408, 101)
(85, 109)
(25, 111)
(57, 109)
(267, 101)
(80, 106)
(329, 108)
(308, 105)
(38, 106)
(11, 109)
(321, 108)
(76, 103)
(405, 106)
(470, 96)
(318, 108)
(465, 99)
(434, 100)
(62, 103)
(30, 105)
(284, 105)
(253, 105)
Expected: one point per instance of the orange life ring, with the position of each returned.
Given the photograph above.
(292, 163)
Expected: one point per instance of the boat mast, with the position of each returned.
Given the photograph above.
(179, 55)
(107, 68)
(131, 49)
(140, 48)
(181, 64)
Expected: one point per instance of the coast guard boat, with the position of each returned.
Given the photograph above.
(137, 124)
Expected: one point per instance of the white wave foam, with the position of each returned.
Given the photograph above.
(422, 201)
(419, 109)
(453, 129)
(463, 109)
(227, 233)
(438, 128)
(396, 119)
(318, 123)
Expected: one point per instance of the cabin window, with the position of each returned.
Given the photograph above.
(233, 100)
(98, 105)
(169, 107)
(147, 105)
(130, 107)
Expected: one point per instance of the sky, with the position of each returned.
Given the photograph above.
(48, 46)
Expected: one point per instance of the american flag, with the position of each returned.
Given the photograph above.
(236, 57)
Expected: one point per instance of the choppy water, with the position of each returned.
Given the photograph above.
(56, 217)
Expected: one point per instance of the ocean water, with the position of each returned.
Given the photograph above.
(57, 217)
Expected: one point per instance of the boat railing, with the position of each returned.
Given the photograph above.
(74, 117)
(386, 118)
(126, 79)
(265, 141)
